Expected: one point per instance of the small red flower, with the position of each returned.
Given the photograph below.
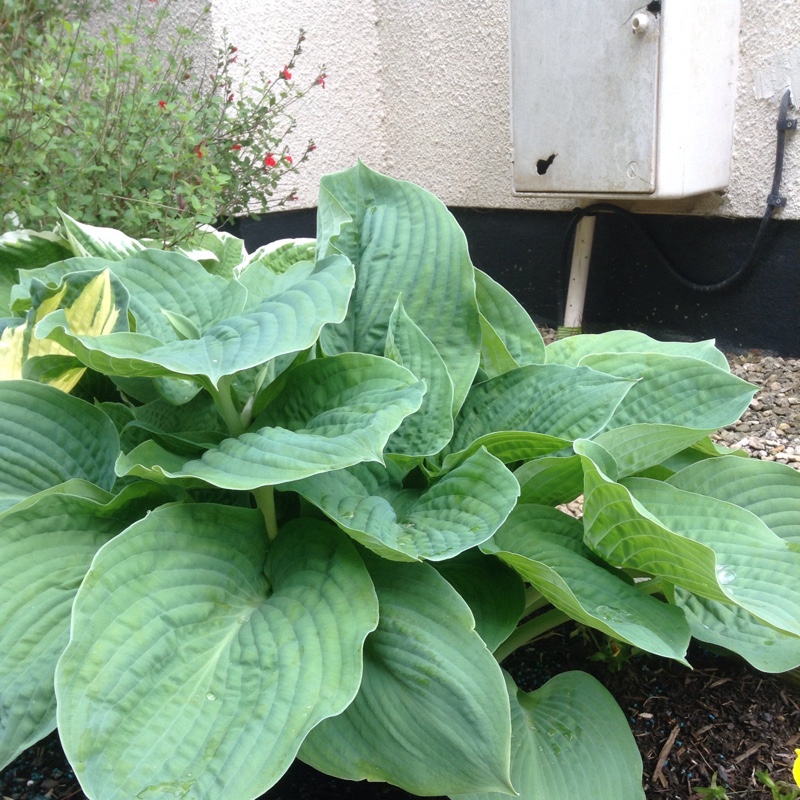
(198, 151)
(230, 97)
(236, 146)
(286, 74)
(311, 148)
(187, 76)
(162, 103)
(270, 161)
(321, 80)
(288, 158)
(233, 49)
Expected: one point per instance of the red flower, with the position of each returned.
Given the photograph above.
(321, 80)
(198, 151)
(162, 103)
(288, 158)
(286, 74)
(187, 76)
(270, 161)
(230, 97)
(312, 147)
(236, 146)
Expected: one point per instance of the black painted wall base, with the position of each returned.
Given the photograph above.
(629, 287)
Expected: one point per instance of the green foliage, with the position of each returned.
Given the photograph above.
(302, 502)
(126, 126)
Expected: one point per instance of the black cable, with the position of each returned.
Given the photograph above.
(774, 200)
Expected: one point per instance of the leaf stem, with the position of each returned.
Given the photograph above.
(223, 400)
(265, 500)
(530, 631)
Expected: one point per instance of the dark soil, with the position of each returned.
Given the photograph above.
(722, 718)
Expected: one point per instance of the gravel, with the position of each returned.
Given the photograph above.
(770, 428)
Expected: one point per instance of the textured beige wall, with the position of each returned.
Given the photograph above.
(420, 90)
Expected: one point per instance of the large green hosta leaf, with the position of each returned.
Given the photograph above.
(283, 323)
(572, 349)
(404, 243)
(428, 430)
(637, 447)
(545, 546)
(518, 335)
(710, 547)
(770, 491)
(570, 740)
(755, 568)
(331, 413)
(50, 437)
(551, 400)
(674, 390)
(46, 546)
(550, 480)
(735, 629)
(200, 658)
(432, 713)
(460, 511)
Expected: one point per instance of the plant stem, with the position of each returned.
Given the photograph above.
(223, 400)
(265, 500)
(530, 630)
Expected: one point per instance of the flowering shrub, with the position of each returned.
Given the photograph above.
(116, 128)
(304, 501)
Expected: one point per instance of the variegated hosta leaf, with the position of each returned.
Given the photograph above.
(550, 480)
(754, 567)
(50, 437)
(549, 399)
(283, 323)
(428, 430)
(769, 490)
(91, 240)
(566, 735)
(200, 657)
(510, 321)
(461, 510)
(432, 714)
(572, 349)
(35, 285)
(494, 593)
(91, 304)
(46, 546)
(25, 250)
(674, 390)
(331, 413)
(404, 243)
(545, 546)
(735, 629)
(638, 447)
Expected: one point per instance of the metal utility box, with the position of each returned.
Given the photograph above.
(612, 98)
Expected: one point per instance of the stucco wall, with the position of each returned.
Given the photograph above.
(421, 90)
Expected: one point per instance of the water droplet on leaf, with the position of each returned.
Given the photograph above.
(210, 696)
(725, 575)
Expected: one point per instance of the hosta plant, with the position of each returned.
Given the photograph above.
(303, 502)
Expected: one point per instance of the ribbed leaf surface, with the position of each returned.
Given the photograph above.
(569, 733)
(46, 547)
(572, 349)
(458, 512)
(91, 240)
(545, 546)
(770, 491)
(404, 243)
(199, 661)
(431, 715)
(50, 437)
(735, 629)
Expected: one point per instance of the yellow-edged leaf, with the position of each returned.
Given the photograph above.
(92, 312)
